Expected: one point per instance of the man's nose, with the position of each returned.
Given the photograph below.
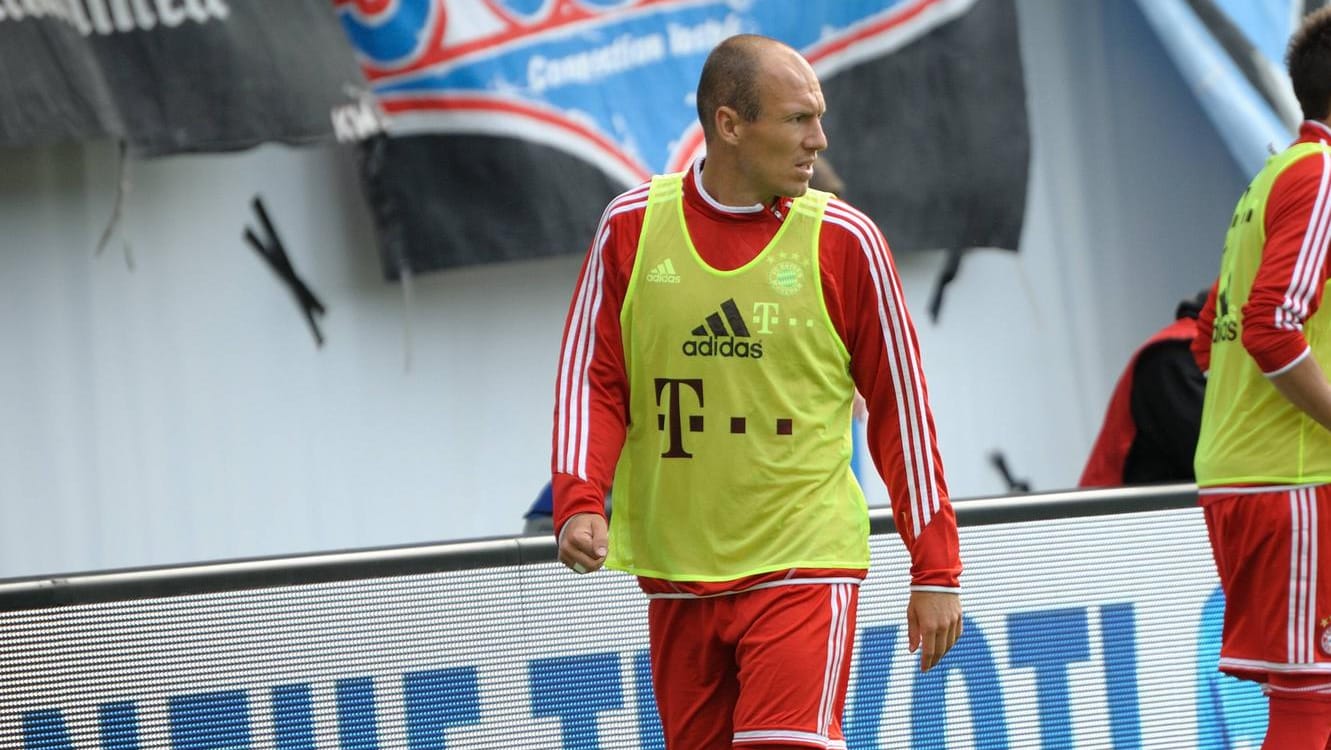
(817, 139)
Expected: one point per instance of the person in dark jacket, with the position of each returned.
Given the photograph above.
(1150, 428)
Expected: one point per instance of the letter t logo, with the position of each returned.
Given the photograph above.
(674, 416)
(764, 314)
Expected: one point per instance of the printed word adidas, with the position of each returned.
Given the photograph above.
(714, 347)
(719, 341)
(664, 273)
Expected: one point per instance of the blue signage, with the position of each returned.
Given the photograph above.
(575, 690)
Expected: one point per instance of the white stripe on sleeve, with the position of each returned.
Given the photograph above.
(573, 401)
(1312, 257)
(903, 364)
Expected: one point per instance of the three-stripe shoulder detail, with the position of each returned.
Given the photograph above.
(903, 362)
(1293, 309)
(573, 397)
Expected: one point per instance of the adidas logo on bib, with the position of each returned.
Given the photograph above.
(717, 339)
(664, 273)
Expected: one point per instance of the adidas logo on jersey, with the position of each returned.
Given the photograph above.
(715, 339)
(664, 273)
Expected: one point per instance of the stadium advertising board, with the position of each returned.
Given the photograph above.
(1086, 633)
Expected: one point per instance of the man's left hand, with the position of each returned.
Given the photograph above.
(934, 620)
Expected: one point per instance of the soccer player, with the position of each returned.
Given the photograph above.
(723, 319)
(1264, 454)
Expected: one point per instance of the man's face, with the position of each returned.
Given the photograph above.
(777, 151)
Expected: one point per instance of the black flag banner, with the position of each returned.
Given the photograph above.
(932, 139)
(499, 130)
(170, 76)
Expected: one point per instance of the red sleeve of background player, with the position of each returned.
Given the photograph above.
(1289, 283)
(1201, 340)
(864, 298)
(591, 388)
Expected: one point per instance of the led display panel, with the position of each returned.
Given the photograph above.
(1096, 632)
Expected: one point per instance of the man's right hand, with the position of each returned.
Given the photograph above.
(584, 542)
(934, 625)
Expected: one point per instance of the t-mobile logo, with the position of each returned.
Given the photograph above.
(673, 417)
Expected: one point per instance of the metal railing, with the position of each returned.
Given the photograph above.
(380, 562)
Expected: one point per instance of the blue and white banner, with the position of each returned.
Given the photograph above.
(1079, 633)
(499, 128)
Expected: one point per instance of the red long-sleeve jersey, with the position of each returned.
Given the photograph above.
(1289, 283)
(864, 300)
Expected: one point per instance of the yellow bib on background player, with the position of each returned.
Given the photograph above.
(737, 457)
(1251, 434)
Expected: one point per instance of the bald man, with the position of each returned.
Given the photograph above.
(722, 322)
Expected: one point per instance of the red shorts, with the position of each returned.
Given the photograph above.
(765, 666)
(1273, 553)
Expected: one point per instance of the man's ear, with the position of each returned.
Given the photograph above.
(728, 122)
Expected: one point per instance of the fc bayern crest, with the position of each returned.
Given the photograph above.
(785, 273)
(1325, 640)
(786, 278)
